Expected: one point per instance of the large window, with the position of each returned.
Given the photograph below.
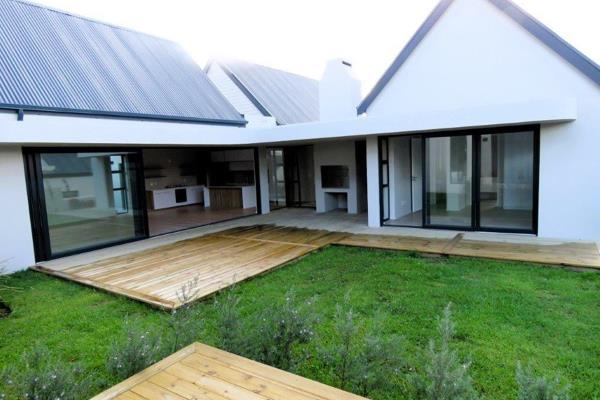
(477, 180)
(87, 199)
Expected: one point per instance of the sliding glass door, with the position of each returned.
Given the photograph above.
(506, 181)
(85, 199)
(478, 180)
(449, 176)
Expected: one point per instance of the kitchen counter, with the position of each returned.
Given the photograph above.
(231, 196)
(159, 199)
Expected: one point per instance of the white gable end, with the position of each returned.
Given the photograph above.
(476, 55)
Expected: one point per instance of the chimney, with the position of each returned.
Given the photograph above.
(339, 92)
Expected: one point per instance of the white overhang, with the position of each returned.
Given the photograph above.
(46, 129)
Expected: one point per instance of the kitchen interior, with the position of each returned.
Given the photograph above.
(190, 187)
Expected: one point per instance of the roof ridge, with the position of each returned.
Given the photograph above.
(93, 20)
(271, 68)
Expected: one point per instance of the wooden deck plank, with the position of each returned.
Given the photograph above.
(576, 254)
(220, 259)
(215, 261)
(200, 372)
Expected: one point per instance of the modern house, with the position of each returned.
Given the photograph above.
(486, 121)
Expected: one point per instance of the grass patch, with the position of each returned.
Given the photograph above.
(504, 313)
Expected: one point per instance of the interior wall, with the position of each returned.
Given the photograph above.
(16, 252)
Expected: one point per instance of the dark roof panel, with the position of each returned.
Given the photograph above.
(532, 25)
(287, 97)
(54, 61)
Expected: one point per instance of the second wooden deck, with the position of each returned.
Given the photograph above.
(200, 372)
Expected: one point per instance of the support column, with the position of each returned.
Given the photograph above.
(373, 204)
(263, 173)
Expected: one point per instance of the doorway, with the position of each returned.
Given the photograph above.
(291, 177)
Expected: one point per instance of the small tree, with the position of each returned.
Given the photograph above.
(447, 378)
(532, 387)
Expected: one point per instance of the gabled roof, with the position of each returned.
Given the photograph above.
(287, 97)
(529, 23)
(57, 62)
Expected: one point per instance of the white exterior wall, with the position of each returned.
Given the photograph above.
(476, 56)
(373, 182)
(16, 252)
(237, 98)
(336, 153)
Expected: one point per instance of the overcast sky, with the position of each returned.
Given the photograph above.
(301, 35)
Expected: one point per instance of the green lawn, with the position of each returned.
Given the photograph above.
(504, 312)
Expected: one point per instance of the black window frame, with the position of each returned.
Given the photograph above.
(37, 203)
(475, 134)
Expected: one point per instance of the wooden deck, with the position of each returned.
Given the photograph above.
(214, 261)
(572, 254)
(201, 372)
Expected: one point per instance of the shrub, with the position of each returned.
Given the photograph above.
(341, 357)
(379, 359)
(44, 378)
(279, 330)
(361, 363)
(232, 336)
(138, 350)
(531, 387)
(447, 378)
(185, 322)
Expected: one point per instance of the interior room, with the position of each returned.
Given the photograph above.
(189, 187)
(480, 181)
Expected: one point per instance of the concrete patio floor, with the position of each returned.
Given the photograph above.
(338, 221)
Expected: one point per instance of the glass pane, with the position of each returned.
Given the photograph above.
(449, 176)
(506, 184)
(82, 205)
(384, 175)
(117, 180)
(385, 193)
(384, 149)
(280, 173)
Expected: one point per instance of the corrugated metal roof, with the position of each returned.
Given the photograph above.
(287, 97)
(54, 61)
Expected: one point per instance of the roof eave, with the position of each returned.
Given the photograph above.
(122, 115)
